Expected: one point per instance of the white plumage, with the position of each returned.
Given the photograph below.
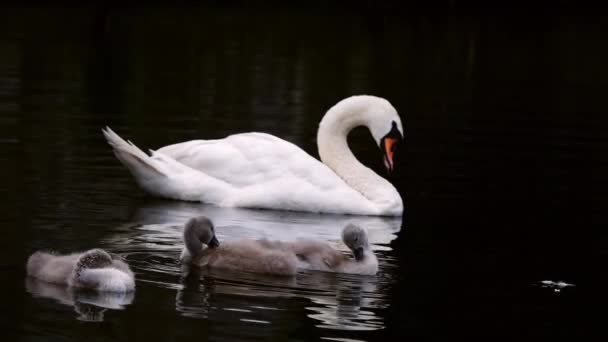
(259, 170)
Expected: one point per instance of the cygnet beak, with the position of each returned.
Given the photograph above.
(214, 242)
(359, 253)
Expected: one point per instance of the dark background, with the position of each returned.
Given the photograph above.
(503, 171)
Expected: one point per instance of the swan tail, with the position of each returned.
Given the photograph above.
(160, 175)
(136, 160)
(141, 165)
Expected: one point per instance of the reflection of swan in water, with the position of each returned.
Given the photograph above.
(200, 285)
(89, 305)
(342, 302)
(192, 301)
(270, 224)
(349, 310)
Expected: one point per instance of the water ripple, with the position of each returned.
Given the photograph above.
(152, 243)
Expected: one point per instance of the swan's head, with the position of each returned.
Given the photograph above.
(385, 125)
(377, 114)
(355, 238)
(200, 230)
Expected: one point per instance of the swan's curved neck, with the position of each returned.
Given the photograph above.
(335, 153)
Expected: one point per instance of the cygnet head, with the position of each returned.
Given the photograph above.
(199, 230)
(355, 238)
(94, 258)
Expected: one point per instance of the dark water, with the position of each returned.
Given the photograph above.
(503, 172)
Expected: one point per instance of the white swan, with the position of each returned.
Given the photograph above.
(259, 170)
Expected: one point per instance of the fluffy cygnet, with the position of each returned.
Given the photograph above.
(320, 256)
(276, 257)
(94, 269)
(237, 255)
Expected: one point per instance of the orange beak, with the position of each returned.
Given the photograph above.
(389, 150)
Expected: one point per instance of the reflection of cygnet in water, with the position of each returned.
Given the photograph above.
(349, 304)
(276, 257)
(89, 305)
(238, 255)
(320, 256)
(94, 269)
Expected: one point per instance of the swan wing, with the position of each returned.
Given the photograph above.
(252, 159)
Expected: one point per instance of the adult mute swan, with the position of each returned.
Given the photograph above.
(258, 170)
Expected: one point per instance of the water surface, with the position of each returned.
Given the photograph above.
(502, 174)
